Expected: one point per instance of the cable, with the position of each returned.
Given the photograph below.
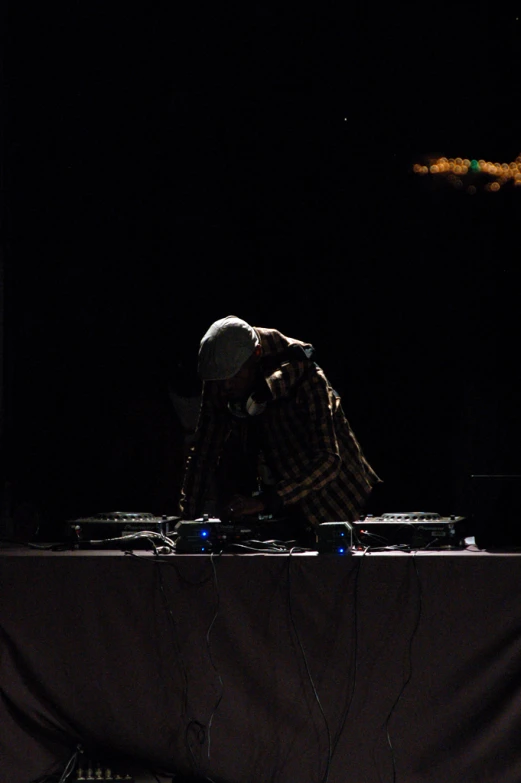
(260, 550)
(67, 771)
(176, 636)
(325, 777)
(434, 540)
(168, 561)
(210, 654)
(200, 728)
(150, 535)
(200, 738)
(355, 659)
(390, 548)
(375, 536)
(409, 676)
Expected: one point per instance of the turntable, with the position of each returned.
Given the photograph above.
(107, 526)
(416, 529)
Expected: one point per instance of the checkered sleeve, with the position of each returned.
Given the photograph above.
(319, 460)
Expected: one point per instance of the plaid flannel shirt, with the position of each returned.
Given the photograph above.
(313, 454)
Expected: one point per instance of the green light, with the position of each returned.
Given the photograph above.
(474, 165)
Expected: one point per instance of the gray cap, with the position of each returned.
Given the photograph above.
(225, 347)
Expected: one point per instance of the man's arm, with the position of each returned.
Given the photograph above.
(322, 456)
(203, 455)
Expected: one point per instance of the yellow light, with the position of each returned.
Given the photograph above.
(502, 173)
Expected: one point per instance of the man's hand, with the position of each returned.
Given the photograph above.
(241, 506)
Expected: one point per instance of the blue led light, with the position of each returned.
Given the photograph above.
(341, 551)
(204, 533)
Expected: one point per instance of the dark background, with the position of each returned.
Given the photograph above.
(164, 167)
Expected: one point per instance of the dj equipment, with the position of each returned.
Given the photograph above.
(335, 538)
(194, 537)
(94, 530)
(206, 535)
(209, 534)
(415, 530)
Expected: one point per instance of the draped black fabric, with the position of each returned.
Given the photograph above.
(248, 669)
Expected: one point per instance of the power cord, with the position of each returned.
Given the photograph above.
(201, 732)
(409, 675)
(150, 535)
(173, 623)
(200, 729)
(69, 768)
(170, 562)
(219, 699)
(325, 777)
(267, 547)
(355, 657)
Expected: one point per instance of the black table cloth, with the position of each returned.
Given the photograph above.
(264, 668)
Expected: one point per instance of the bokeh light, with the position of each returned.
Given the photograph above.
(487, 175)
